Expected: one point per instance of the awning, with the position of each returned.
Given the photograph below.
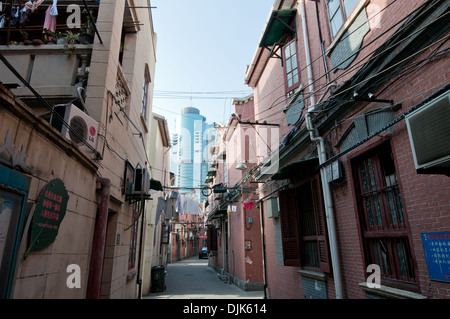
(277, 25)
(298, 169)
(156, 185)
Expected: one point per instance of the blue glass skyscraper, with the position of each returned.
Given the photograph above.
(190, 150)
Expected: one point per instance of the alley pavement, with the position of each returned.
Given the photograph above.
(193, 279)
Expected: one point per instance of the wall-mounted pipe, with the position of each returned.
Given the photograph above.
(329, 211)
(99, 242)
(263, 240)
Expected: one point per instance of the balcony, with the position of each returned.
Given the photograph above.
(55, 71)
(48, 69)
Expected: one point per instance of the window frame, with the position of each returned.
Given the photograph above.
(11, 241)
(293, 241)
(344, 15)
(289, 88)
(133, 235)
(16, 186)
(387, 234)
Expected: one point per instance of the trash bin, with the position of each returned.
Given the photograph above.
(158, 283)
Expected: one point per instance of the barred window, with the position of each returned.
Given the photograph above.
(133, 237)
(382, 217)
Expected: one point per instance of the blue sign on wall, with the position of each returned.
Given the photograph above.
(437, 254)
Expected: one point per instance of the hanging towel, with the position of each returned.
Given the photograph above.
(180, 204)
(31, 6)
(28, 9)
(54, 8)
(50, 21)
(160, 207)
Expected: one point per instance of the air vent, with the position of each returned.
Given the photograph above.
(79, 132)
(83, 129)
(429, 134)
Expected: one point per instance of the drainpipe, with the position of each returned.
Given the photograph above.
(329, 211)
(141, 249)
(99, 241)
(263, 248)
(307, 53)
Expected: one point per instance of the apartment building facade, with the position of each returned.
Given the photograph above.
(355, 194)
(234, 232)
(108, 83)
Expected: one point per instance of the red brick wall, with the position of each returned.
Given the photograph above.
(425, 197)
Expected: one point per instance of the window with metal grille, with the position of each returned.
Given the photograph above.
(133, 237)
(382, 217)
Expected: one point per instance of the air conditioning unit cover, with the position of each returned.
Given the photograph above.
(429, 134)
(84, 129)
(141, 181)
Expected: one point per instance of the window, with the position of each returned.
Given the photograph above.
(302, 219)
(339, 11)
(133, 236)
(14, 188)
(290, 60)
(10, 214)
(145, 92)
(165, 233)
(382, 217)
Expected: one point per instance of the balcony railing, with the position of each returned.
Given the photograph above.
(50, 69)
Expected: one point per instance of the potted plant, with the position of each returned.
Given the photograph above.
(87, 29)
(25, 37)
(54, 37)
(71, 40)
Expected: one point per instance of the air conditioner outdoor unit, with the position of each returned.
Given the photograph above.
(84, 129)
(429, 134)
(141, 181)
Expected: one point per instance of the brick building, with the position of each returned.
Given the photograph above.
(357, 189)
(96, 95)
(233, 219)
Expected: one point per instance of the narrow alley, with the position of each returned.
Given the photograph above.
(193, 279)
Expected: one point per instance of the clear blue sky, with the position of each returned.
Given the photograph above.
(204, 46)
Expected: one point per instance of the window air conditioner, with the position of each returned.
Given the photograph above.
(141, 181)
(429, 135)
(83, 128)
